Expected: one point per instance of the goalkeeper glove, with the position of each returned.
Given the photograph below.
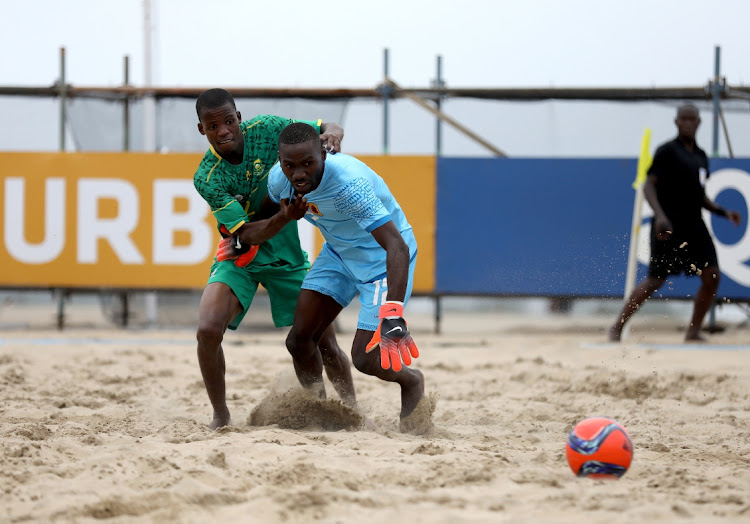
(230, 248)
(393, 337)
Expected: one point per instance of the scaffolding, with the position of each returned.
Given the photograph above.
(431, 98)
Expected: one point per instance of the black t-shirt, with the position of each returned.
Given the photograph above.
(679, 186)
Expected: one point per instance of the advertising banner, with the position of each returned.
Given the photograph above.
(134, 220)
(561, 227)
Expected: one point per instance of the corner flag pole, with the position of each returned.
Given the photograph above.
(644, 162)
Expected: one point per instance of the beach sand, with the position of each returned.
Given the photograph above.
(104, 423)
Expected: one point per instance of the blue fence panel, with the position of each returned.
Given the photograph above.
(554, 227)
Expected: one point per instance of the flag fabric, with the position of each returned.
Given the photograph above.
(644, 161)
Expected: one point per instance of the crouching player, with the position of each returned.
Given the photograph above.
(369, 249)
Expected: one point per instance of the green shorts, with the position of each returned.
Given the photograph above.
(283, 284)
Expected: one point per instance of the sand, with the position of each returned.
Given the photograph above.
(102, 423)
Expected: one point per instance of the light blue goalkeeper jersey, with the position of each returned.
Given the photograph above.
(350, 202)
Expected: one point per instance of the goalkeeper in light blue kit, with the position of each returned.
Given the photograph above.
(370, 249)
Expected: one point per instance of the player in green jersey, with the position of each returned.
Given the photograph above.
(232, 178)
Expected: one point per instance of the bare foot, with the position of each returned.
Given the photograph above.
(318, 389)
(695, 337)
(411, 394)
(346, 393)
(615, 332)
(219, 421)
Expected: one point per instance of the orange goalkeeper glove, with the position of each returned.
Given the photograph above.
(393, 337)
(230, 248)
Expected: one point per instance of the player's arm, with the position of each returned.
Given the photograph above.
(274, 212)
(266, 209)
(659, 167)
(259, 231)
(662, 225)
(713, 207)
(231, 217)
(225, 207)
(243, 244)
(396, 261)
(392, 336)
(331, 136)
(733, 216)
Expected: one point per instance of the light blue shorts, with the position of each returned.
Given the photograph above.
(330, 277)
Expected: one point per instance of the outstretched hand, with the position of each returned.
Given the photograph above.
(734, 217)
(295, 209)
(331, 143)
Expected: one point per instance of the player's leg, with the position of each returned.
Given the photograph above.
(705, 296)
(663, 258)
(702, 256)
(337, 366)
(283, 286)
(640, 294)
(410, 380)
(218, 307)
(284, 289)
(224, 302)
(327, 288)
(372, 295)
(313, 316)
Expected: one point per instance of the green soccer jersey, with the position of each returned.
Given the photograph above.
(218, 182)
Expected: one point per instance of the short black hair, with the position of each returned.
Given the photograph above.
(213, 99)
(298, 133)
(688, 106)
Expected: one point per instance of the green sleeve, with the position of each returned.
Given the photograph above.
(208, 183)
(315, 123)
(232, 215)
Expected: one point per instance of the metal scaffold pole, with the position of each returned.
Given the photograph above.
(149, 128)
(386, 91)
(125, 147)
(60, 293)
(716, 91)
(438, 103)
(438, 153)
(126, 106)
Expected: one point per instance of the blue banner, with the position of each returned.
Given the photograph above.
(561, 227)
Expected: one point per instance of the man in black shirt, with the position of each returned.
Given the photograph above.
(680, 241)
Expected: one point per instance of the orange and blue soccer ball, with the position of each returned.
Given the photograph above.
(599, 448)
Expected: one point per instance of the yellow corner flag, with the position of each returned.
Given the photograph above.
(644, 161)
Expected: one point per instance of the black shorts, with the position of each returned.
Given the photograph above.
(687, 250)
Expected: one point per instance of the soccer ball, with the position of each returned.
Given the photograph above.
(599, 448)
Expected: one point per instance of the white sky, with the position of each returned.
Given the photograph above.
(484, 43)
